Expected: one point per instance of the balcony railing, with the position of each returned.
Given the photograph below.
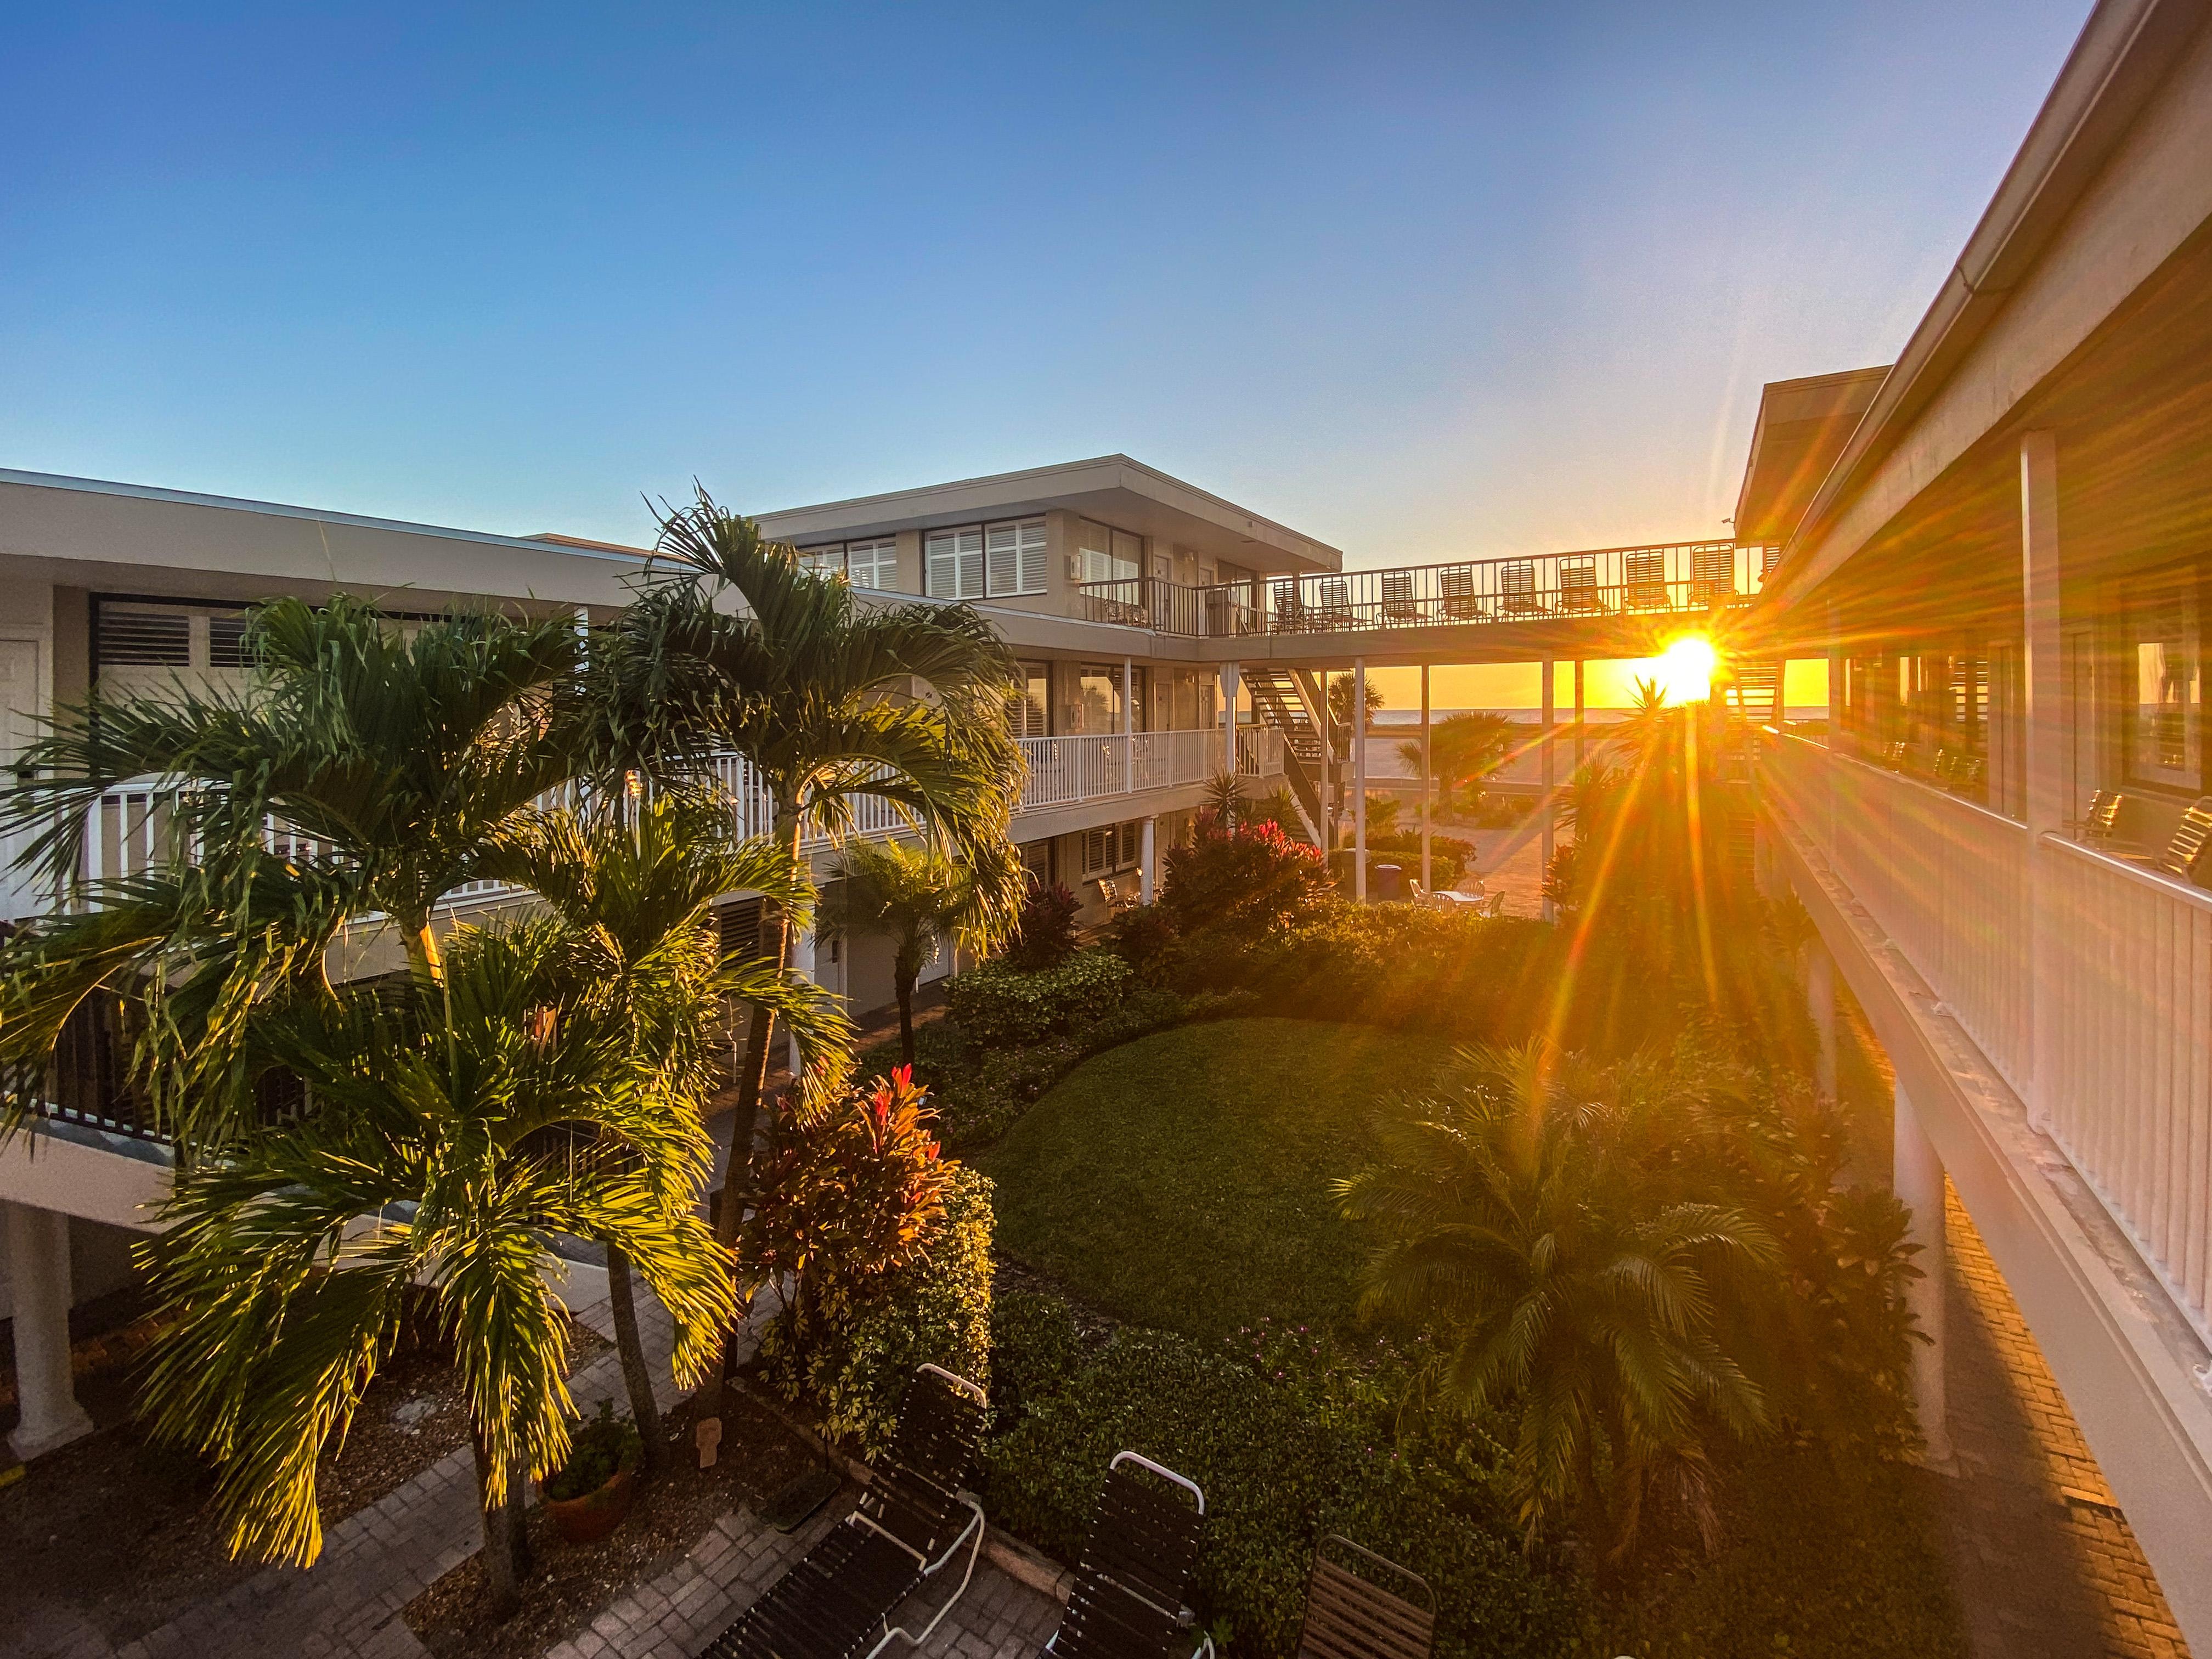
(1669, 579)
(132, 829)
(2126, 1005)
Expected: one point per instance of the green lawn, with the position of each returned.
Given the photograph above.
(1181, 1181)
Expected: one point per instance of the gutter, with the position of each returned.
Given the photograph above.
(2123, 54)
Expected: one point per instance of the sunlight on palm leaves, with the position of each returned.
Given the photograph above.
(479, 1118)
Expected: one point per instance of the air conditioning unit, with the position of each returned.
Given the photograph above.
(1074, 567)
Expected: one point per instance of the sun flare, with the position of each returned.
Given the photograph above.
(1686, 668)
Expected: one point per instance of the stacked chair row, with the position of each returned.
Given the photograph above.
(1131, 1594)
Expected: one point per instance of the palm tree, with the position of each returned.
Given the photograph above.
(922, 902)
(1530, 1213)
(1463, 750)
(633, 884)
(738, 648)
(475, 1116)
(361, 770)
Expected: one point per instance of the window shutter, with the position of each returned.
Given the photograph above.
(1031, 533)
(942, 565)
(873, 563)
(971, 563)
(144, 638)
(1002, 550)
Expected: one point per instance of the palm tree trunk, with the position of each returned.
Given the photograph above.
(421, 941)
(506, 1542)
(737, 1181)
(637, 1376)
(906, 1018)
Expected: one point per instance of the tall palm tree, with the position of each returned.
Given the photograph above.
(360, 770)
(1464, 749)
(735, 647)
(633, 884)
(922, 902)
(475, 1116)
(1527, 1213)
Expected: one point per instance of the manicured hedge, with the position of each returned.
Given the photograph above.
(998, 1005)
(1283, 1460)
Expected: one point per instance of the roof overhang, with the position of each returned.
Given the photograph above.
(1801, 429)
(1112, 489)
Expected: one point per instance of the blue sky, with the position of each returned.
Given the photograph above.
(1419, 281)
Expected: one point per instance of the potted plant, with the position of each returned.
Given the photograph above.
(590, 1493)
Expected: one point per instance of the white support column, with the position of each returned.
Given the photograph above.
(1359, 779)
(802, 962)
(1428, 786)
(38, 1280)
(2043, 713)
(1581, 737)
(1231, 675)
(1917, 1180)
(1147, 853)
(1550, 817)
(1327, 748)
(1821, 1000)
(1128, 729)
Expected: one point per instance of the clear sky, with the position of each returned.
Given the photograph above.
(1421, 282)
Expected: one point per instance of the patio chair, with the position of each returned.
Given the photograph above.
(2102, 821)
(1290, 608)
(1110, 895)
(1578, 590)
(835, 1601)
(1492, 905)
(1895, 754)
(1517, 589)
(1349, 1616)
(2185, 853)
(1399, 604)
(1334, 608)
(1455, 586)
(1131, 1597)
(1712, 574)
(1645, 582)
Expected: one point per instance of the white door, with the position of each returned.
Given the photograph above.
(19, 728)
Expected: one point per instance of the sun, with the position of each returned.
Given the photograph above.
(1686, 668)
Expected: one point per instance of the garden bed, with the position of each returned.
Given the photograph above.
(572, 1583)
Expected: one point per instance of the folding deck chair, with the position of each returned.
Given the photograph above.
(1349, 1616)
(836, 1600)
(1131, 1594)
(1578, 589)
(1517, 589)
(2184, 853)
(1644, 578)
(1455, 584)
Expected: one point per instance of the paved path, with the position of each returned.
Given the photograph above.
(376, 1561)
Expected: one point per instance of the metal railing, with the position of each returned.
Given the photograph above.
(1663, 578)
(2126, 1003)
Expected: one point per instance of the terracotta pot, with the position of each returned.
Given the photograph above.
(588, 1519)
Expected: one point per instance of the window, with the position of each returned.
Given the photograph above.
(1111, 847)
(1105, 555)
(1027, 715)
(1098, 699)
(872, 563)
(993, 561)
(1015, 557)
(828, 561)
(2163, 738)
(953, 562)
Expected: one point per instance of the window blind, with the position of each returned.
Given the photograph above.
(1015, 557)
(954, 563)
(872, 563)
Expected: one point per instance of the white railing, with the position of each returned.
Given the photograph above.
(2126, 1051)
(129, 829)
(2127, 1043)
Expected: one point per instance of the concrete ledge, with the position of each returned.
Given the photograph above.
(2133, 1371)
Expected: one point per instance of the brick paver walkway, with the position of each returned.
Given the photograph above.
(377, 1561)
(2047, 1566)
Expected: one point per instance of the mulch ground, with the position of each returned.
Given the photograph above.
(115, 1531)
(571, 1583)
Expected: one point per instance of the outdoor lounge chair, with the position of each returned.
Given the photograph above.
(1399, 604)
(1131, 1597)
(1349, 1616)
(1645, 581)
(1578, 589)
(1290, 608)
(1455, 584)
(2185, 853)
(2102, 821)
(1517, 589)
(835, 1601)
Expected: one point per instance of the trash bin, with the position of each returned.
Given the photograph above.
(1385, 883)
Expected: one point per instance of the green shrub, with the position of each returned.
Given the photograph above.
(1141, 1013)
(936, 1310)
(1249, 882)
(1282, 1459)
(1143, 936)
(1044, 933)
(941, 1050)
(1035, 1350)
(596, 1453)
(998, 1005)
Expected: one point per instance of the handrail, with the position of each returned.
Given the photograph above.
(2155, 879)
(1918, 782)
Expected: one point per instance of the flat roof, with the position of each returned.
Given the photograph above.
(1802, 426)
(1112, 489)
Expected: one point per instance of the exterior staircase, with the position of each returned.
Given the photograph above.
(1754, 694)
(1286, 699)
